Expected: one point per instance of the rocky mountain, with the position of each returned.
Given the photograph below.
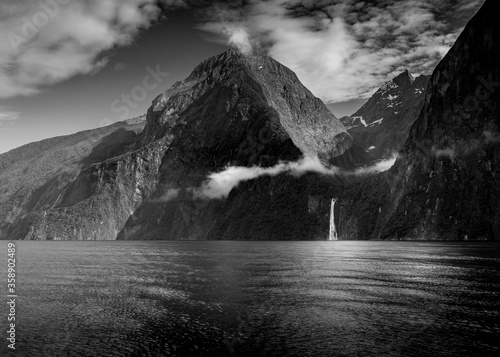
(239, 110)
(234, 109)
(382, 124)
(446, 183)
(246, 114)
(35, 177)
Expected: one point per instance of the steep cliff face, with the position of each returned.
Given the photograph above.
(225, 92)
(96, 205)
(249, 111)
(446, 183)
(450, 168)
(35, 177)
(232, 110)
(235, 110)
(382, 124)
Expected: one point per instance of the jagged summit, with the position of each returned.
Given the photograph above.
(231, 80)
(399, 83)
(446, 182)
(233, 109)
(404, 79)
(250, 110)
(226, 61)
(229, 63)
(449, 169)
(382, 124)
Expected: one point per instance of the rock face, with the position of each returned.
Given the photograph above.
(42, 195)
(233, 91)
(122, 182)
(446, 184)
(382, 124)
(232, 110)
(235, 110)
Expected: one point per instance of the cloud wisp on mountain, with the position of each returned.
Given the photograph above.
(219, 184)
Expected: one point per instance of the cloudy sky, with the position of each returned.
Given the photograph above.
(70, 65)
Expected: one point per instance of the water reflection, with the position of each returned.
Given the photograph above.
(258, 299)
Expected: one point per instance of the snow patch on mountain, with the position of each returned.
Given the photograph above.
(379, 121)
(361, 120)
(387, 86)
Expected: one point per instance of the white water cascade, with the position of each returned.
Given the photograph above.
(333, 230)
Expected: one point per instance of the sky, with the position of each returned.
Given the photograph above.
(72, 65)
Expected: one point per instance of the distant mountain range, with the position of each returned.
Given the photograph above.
(382, 124)
(446, 182)
(242, 150)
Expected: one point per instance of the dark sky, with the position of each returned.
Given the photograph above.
(84, 101)
(67, 65)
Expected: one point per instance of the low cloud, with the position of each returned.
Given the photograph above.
(464, 147)
(169, 195)
(380, 166)
(220, 184)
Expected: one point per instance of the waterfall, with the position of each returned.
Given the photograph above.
(333, 230)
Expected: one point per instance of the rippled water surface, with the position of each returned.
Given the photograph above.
(256, 299)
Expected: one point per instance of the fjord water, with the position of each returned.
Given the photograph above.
(256, 299)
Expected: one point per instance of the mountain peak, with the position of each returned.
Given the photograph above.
(404, 79)
(382, 124)
(232, 56)
(234, 51)
(232, 80)
(453, 145)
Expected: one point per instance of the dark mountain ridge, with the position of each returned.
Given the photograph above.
(232, 110)
(445, 184)
(249, 111)
(34, 176)
(382, 124)
(242, 111)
